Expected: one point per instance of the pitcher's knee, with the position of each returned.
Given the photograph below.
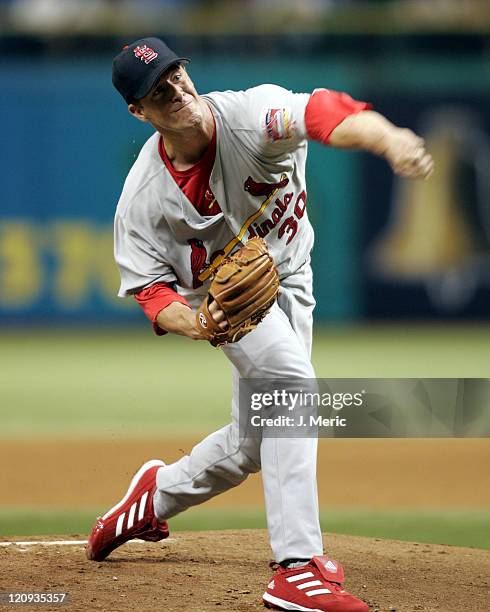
(249, 465)
(248, 452)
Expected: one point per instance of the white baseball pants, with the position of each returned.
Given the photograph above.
(280, 347)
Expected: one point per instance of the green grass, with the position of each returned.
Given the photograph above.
(76, 383)
(454, 527)
(131, 384)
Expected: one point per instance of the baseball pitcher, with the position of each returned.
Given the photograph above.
(212, 239)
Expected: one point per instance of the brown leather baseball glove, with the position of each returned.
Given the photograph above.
(244, 287)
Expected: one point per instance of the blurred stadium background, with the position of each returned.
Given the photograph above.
(402, 270)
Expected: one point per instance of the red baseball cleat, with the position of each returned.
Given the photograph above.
(131, 518)
(314, 587)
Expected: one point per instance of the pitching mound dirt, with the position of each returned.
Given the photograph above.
(228, 571)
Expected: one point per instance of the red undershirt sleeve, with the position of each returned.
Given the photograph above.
(326, 110)
(156, 298)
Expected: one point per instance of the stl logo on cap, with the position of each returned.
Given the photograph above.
(145, 54)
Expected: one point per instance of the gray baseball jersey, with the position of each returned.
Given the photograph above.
(258, 179)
